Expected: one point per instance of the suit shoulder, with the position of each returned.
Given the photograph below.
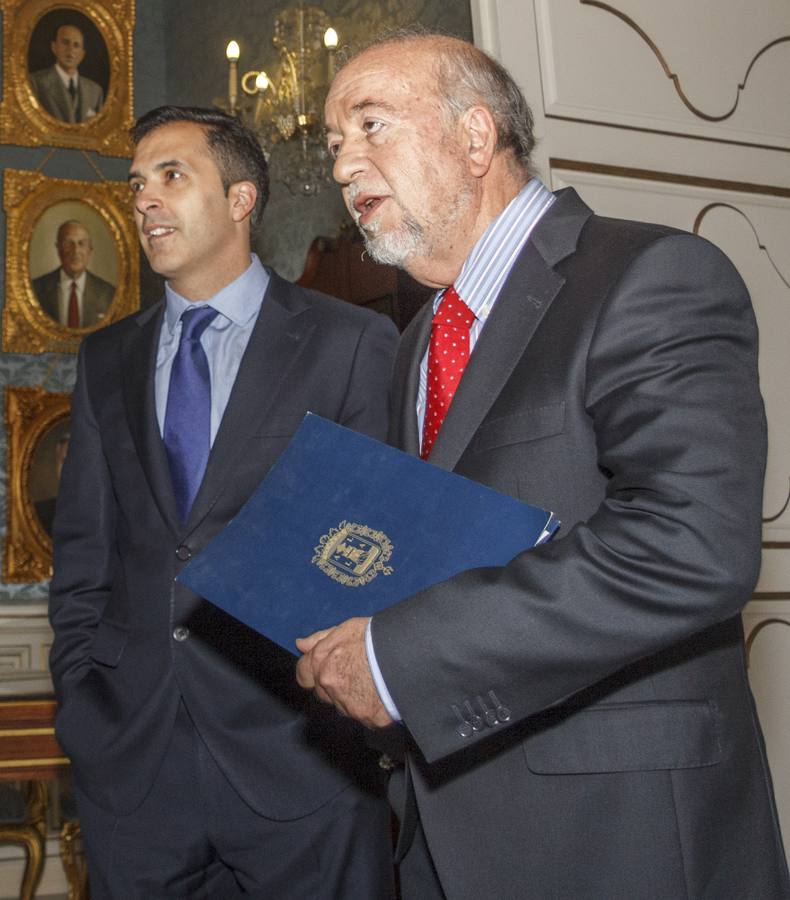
(42, 77)
(45, 280)
(624, 240)
(100, 284)
(628, 232)
(108, 336)
(92, 87)
(332, 312)
(639, 235)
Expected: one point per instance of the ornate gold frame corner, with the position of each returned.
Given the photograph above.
(22, 120)
(29, 413)
(26, 327)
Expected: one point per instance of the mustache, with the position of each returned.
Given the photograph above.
(354, 190)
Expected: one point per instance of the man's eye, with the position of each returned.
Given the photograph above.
(371, 126)
(172, 175)
(135, 186)
(333, 150)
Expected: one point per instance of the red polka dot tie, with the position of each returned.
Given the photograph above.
(447, 357)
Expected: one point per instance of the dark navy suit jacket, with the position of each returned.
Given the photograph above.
(118, 670)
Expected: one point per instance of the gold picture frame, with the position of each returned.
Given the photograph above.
(28, 117)
(33, 417)
(34, 204)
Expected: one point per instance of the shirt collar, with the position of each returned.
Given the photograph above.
(65, 77)
(238, 301)
(490, 260)
(66, 279)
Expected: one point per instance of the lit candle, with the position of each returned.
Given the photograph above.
(261, 84)
(330, 42)
(232, 54)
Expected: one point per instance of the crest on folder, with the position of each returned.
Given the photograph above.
(353, 554)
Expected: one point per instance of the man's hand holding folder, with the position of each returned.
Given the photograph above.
(335, 666)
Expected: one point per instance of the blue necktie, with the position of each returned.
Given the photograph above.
(187, 432)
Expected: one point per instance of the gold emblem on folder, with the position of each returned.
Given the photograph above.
(353, 554)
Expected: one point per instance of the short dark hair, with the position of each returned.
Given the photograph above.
(235, 148)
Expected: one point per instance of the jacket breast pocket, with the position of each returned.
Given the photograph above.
(529, 425)
(626, 737)
(109, 643)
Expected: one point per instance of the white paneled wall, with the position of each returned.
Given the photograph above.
(678, 112)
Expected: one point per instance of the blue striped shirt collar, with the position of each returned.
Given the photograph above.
(488, 265)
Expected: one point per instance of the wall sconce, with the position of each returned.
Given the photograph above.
(284, 108)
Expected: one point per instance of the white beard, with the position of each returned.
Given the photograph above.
(393, 248)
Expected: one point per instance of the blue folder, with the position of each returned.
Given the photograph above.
(344, 525)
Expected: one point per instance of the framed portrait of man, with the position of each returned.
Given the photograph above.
(37, 426)
(46, 462)
(73, 266)
(72, 263)
(67, 74)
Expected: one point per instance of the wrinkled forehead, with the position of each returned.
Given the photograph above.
(402, 74)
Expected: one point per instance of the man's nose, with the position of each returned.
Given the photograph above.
(146, 199)
(350, 162)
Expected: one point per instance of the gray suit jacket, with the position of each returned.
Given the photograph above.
(611, 747)
(96, 299)
(119, 672)
(54, 98)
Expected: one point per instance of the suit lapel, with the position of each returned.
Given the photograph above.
(139, 366)
(49, 295)
(406, 375)
(278, 338)
(63, 98)
(522, 303)
(524, 299)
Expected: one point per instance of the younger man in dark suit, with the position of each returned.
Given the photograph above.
(579, 723)
(201, 769)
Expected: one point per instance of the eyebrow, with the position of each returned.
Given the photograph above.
(166, 164)
(360, 107)
(381, 104)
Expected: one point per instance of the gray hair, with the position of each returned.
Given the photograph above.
(466, 77)
(67, 224)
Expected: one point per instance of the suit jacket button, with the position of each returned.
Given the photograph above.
(183, 552)
(180, 633)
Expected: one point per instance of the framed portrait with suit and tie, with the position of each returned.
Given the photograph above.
(38, 430)
(72, 263)
(67, 74)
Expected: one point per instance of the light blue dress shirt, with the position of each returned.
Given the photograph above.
(481, 278)
(224, 341)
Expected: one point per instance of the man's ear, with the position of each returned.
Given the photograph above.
(480, 138)
(242, 196)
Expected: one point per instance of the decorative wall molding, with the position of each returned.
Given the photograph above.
(664, 69)
(674, 77)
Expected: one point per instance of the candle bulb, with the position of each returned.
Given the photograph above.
(232, 54)
(330, 42)
(261, 84)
